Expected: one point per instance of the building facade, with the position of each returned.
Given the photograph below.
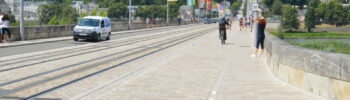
(4, 7)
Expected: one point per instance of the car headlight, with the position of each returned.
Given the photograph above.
(92, 30)
(77, 30)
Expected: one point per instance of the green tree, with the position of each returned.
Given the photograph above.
(62, 12)
(311, 18)
(103, 13)
(54, 21)
(268, 3)
(83, 14)
(332, 13)
(277, 7)
(94, 12)
(299, 3)
(348, 16)
(118, 10)
(289, 19)
(12, 18)
(157, 11)
(321, 11)
(173, 10)
(235, 7)
(245, 8)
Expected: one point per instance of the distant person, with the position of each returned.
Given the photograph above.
(248, 23)
(147, 22)
(261, 22)
(229, 23)
(5, 24)
(1, 15)
(241, 24)
(222, 29)
(154, 22)
(179, 21)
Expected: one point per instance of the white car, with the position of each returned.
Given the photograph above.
(93, 28)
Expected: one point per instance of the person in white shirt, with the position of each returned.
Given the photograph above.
(1, 15)
(5, 27)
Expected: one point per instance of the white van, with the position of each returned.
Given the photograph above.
(92, 28)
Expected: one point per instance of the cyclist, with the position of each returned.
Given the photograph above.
(222, 29)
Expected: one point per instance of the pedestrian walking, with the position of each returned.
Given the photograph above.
(260, 37)
(241, 27)
(5, 28)
(1, 15)
(231, 22)
(147, 22)
(248, 22)
(244, 24)
(179, 21)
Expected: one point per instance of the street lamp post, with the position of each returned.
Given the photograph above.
(206, 9)
(129, 15)
(167, 12)
(224, 8)
(21, 21)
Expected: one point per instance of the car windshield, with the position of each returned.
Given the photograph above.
(89, 22)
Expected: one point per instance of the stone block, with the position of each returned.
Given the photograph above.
(323, 63)
(345, 67)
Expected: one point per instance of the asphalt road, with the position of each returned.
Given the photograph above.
(8, 51)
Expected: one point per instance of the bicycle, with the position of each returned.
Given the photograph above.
(222, 36)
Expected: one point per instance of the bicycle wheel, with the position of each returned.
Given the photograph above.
(222, 37)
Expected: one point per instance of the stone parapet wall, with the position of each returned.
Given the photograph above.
(322, 73)
(42, 32)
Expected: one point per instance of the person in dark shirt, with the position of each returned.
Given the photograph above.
(222, 28)
(241, 24)
(260, 36)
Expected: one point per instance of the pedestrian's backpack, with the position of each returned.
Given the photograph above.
(222, 23)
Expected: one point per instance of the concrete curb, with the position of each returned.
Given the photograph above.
(49, 40)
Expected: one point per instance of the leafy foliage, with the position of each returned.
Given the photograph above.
(311, 18)
(94, 12)
(277, 7)
(50, 13)
(268, 2)
(118, 10)
(103, 13)
(289, 19)
(332, 13)
(235, 7)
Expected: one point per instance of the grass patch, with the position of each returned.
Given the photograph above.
(316, 35)
(25, 24)
(328, 46)
(332, 26)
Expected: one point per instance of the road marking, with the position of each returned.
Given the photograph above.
(221, 77)
(118, 80)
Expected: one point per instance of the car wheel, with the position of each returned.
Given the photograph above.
(108, 37)
(98, 38)
(75, 39)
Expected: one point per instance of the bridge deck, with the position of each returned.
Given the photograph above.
(207, 70)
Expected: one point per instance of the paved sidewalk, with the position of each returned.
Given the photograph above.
(209, 71)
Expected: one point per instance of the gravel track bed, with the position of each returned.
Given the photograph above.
(64, 62)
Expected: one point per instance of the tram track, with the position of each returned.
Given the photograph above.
(155, 46)
(63, 52)
(90, 49)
